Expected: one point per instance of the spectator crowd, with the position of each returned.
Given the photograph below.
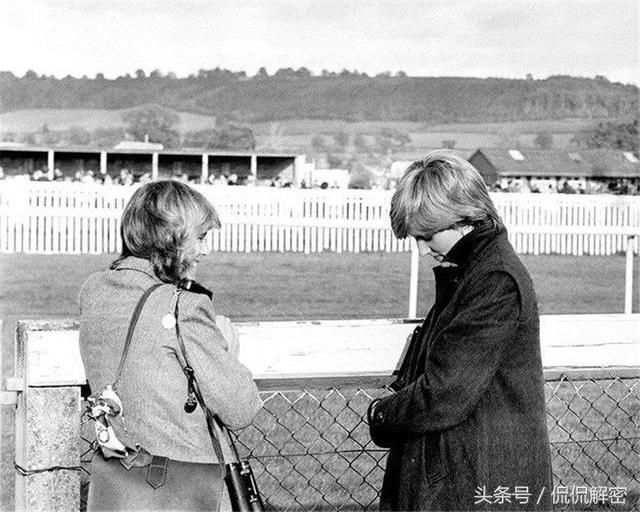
(128, 177)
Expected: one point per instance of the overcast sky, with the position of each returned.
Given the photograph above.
(479, 38)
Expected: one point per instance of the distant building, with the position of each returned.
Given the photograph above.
(134, 145)
(398, 169)
(199, 166)
(611, 163)
(554, 170)
(406, 158)
(329, 178)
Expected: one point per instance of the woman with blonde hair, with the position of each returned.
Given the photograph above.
(466, 426)
(149, 336)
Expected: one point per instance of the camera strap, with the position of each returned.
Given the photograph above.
(212, 420)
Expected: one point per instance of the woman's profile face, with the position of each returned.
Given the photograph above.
(196, 248)
(439, 244)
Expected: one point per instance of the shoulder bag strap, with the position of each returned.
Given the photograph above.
(132, 326)
(212, 419)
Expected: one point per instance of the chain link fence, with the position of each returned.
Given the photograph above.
(310, 448)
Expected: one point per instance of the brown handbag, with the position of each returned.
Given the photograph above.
(164, 484)
(141, 481)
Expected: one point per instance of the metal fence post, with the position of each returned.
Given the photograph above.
(47, 457)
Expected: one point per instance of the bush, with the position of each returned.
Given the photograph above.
(154, 121)
(227, 137)
(361, 177)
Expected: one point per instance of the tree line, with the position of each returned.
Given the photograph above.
(346, 95)
(151, 123)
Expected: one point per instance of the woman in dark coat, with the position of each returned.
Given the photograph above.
(466, 426)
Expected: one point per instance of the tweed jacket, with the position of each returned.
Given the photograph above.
(153, 387)
(469, 415)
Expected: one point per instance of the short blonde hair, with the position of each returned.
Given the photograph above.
(439, 192)
(160, 219)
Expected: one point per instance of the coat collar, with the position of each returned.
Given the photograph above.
(137, 264)
(473, 243)
(146, 267)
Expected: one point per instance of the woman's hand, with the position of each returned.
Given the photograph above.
(230, 333)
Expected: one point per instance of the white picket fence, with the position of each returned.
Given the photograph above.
(75, 218)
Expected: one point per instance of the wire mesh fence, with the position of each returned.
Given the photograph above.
(594, 429)
(310, 448)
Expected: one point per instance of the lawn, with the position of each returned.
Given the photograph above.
(275, 286)
(292, 286)
(297, 133)
(25, 120)
(251, 286)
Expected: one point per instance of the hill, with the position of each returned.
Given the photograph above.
(298, 134)
(348, 96)
(32, 120)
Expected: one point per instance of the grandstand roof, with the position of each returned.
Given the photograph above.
(609, 163)
(18, 147)
(532, 162)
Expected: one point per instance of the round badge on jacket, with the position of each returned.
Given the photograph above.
(168, 321)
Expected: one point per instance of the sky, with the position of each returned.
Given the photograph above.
(478, 38)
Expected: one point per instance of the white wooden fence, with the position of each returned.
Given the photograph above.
(73, 218)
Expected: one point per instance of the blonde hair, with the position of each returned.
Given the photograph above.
(159, 221)
(439, 192)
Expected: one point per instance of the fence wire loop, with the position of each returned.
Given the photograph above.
(30, 472)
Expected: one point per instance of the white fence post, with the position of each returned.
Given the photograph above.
(155, 173)
(204, 172)
(254, 167)
(50, 163)
(103, 163)
(628, 277)
(413, 280)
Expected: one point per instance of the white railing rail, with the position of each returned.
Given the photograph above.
(632, 235)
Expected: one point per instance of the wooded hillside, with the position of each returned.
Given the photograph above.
(347, 96)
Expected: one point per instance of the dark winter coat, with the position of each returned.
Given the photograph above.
(468, 416)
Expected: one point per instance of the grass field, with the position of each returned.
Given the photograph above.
(274, 286)
(26, 120)
(297, 133)
(31, 120)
